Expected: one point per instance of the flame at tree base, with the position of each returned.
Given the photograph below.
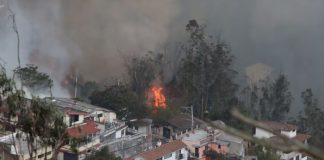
(157, 99)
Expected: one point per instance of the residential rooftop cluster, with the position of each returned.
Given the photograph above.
(183, 137)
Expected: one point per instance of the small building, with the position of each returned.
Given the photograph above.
(113, 130)
(287, 130)
(90, 112)
(128, 145)
(177, 125)
(200, 141)
(234, 146)
(174, 150)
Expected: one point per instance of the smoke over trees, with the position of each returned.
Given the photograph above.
(59, 35)
(205, 73)
(276, 99)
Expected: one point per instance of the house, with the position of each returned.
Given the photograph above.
(176, 125)
(13, 148)
(197, 142)
(287, 130)
(129, 145)
(83, 139)
(142, 125)
(174, 150)
(126, 141)
(200, 141)
(90, 112)
(232, 146)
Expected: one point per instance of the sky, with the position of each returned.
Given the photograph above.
(95, 37)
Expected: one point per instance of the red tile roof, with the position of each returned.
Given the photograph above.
(161, 151)
(302, 137)
(278, 126)
(82, 130)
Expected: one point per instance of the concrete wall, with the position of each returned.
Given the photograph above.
(222, 150)
(291, 155)
(174, 155)
(110, 116)
(260, 133)
(191, 146)
(89, 145)
(289, 134)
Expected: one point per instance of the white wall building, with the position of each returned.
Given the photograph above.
(285, 129)
(90, 112)
(174, 150)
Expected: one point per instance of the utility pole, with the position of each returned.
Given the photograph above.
(76, 84)
(192, 120)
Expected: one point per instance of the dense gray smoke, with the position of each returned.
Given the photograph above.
(93, 36)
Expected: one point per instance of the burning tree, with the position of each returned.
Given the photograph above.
(157, 98)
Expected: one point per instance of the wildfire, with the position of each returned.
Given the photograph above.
(159, 100)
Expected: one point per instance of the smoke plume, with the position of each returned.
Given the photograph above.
(94, 36)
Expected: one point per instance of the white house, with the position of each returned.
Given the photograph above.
(285, 129)
(90, 112)
(174, 150)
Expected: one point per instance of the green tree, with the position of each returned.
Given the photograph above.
(161, 116)
(102, 154)
(276, 99)
(86, 89)
(34, 80)
(250, 99)
(266, 154)
(205, 75)
(141, 72)
(121, 99)
(311, 121)
(42, 124)
(38, 120)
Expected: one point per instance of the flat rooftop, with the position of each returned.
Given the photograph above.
(70, 104)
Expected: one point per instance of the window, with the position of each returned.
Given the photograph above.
(180, 156)
(219, 146)
(159, 158)
(196, 152)
(168, 156)
(41, 156)
(48, 153)
(100, 115)
(297, 157)
(74, 118)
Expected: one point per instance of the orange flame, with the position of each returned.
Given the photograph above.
(159, 100)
